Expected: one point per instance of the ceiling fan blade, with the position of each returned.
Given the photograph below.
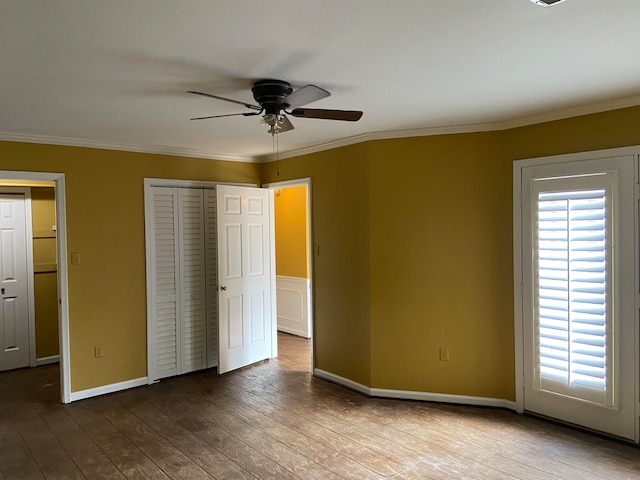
(248, 105)
(227, 115)
(305, 95)
(346, 115)
(286, 125)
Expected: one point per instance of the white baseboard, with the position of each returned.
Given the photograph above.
(114, 387)
(292, 331)
(47, 360)
(410, 395)
(444, 398)
(345, 382)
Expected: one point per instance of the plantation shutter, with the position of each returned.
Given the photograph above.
(572, 281)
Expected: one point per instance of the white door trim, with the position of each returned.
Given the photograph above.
(518, 168)
(297, 183)
(63, 277)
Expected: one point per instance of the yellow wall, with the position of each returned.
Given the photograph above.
(441, 265)
(105, 224)
(340, 217)
(414, 239)
(436, 228)
(45, 271)
(291, 226)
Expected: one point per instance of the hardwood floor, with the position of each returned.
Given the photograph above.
(274, 421)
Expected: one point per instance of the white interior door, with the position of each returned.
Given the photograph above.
(245, 275)
(579, 314)
(14, 322)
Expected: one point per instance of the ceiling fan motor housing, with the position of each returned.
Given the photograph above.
(270, 94)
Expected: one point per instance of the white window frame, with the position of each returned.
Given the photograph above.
(518, 167)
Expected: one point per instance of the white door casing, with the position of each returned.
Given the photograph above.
(14, 314)
(63, 271)
(579, 326)
(246, 277)
(307, 302)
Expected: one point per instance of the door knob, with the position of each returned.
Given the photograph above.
(2, 291)
(223, 288)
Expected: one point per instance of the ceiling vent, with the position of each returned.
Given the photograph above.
(547, 3)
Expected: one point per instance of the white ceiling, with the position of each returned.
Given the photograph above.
(114, 73)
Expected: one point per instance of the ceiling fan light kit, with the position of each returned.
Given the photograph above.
(547, 3)
(277, 97)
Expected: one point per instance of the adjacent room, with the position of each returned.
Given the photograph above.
(294, 239)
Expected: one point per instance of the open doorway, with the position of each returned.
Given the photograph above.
(38, 325)
(293, 247)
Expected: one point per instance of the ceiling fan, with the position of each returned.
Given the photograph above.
(276, 97)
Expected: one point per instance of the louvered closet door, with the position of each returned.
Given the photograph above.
(578, 284)
(211, 254)
(163, 344)
(178, 343)
(192, 331)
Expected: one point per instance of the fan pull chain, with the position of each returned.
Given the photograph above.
(276, 147)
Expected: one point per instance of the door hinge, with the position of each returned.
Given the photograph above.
(636, 191)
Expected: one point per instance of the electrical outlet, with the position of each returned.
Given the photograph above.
(444, 354)
(75, 258)
(99, 352)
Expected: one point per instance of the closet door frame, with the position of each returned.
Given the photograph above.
(149, 184)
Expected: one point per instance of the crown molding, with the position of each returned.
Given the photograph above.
(570, 112)
(159, 150)
(381, 135)
(524, 121)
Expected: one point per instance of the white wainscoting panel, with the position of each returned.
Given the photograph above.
(294, 310)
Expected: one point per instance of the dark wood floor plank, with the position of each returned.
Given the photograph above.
(314, 450)
(347, 438)
(124, 454)
(87, 456)
(273, 420)
(16, 461)
(206, 427)
(274, 440)
(49, 454)
(164, 454)
(201, 453)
